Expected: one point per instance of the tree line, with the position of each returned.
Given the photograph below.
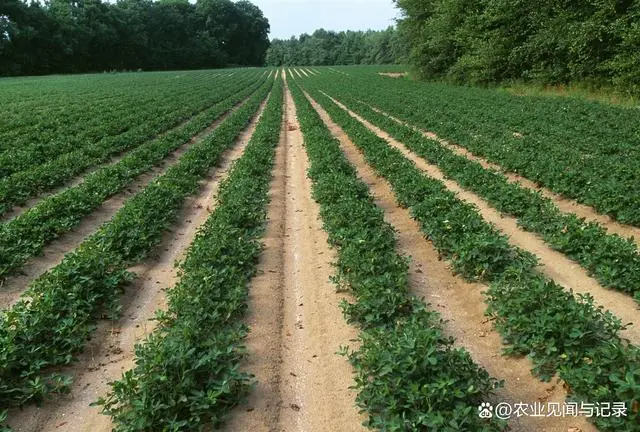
(68, 36)
(550, 41)
(324, 48)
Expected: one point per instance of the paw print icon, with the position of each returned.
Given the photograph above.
(485, 410)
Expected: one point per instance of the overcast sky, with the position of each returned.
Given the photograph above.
(293, 17)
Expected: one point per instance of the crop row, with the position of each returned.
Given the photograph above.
(187, 372)
(56, 315)
(583, 150)
(408, 374)
(97, 121)
(26, 235)
(69, 126)
(613, 260)
(560, 333)
(62, 113)
(23, 185)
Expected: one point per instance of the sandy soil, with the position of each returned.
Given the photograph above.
(554, 264)
(393, 74)
(111, 351)
(55, 251)
(297, 326)
(460, 303)
(566, 205)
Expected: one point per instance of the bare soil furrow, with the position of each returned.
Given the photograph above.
(305, 386)
(554, 264)
(55, 251)
(566, 205)
(265, 315)
(461, 303)
(111, 351)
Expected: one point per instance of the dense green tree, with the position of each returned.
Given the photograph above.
(59, 36)
(551, 41)
(337, 48)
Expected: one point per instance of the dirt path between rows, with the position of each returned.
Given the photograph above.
(393, 74)
(111, 351)
(461, 303)
(296, 323)
(304, 72)
(554, 264)
(566, 205)
(55, 251)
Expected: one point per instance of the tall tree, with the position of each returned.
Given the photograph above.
(551, 41)
(57, 36)
(332, 48)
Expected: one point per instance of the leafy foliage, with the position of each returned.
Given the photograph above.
(62, 36)
(337, 48)
(26, 235)
(55, 162)
(56, 315)
(560, 333)
(481, 41)
(187, 372)
(438, 389)
(583, 150)
(613, 260)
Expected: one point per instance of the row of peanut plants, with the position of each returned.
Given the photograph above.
(563, 335)
(98, 120)
(187, 371)
(58, 312)
(408, 374)
(49, 109)
(584, 150)
(613, 260)
(26, 235)
(20, 186)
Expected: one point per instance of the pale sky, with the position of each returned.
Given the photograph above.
(293, 17)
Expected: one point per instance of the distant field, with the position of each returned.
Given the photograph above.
(460, 247)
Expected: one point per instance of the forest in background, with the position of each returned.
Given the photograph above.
(326, 48)
(70, 36)
(596, 42)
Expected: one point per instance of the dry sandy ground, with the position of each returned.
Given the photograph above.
(111, 351)
(296, 323)
(393, 74)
